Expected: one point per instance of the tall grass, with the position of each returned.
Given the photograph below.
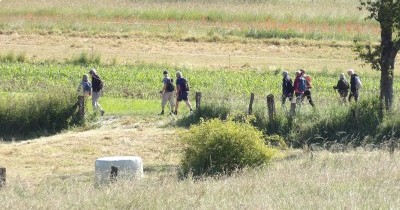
(357, 180)
(26, 115)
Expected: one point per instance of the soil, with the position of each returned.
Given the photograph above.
(234, 55)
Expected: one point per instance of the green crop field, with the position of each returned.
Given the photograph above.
(339, 156)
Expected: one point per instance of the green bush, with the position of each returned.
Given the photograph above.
(206, 112)
(26, 115)
(222, 147)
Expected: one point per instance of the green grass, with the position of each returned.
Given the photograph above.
(322, 20)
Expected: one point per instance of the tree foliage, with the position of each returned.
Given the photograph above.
(382, 56)
(387, 13)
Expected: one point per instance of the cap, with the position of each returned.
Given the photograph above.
(165, 72)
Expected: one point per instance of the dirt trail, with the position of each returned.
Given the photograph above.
(256, 54)
(73, 153)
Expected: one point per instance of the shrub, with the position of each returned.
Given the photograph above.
(221, 147)
(85, 60)
(205, 112)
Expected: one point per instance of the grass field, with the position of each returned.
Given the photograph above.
(227, 49)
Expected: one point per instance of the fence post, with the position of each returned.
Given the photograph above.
(2, 176)
(81, 105)
(251, 103)
(271, 106)
(292, 109)
(198, 100)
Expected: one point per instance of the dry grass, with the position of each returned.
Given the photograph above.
(256, 54)
(57, 173)
(73, 153)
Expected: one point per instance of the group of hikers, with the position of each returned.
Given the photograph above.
(94, 88)
(295, 91)
(301, 87)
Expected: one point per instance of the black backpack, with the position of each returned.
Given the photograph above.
(185, 85)
(170, 86)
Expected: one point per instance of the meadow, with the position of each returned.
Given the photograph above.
(339, 156)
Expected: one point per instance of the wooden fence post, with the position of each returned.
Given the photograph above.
(81, 106)
(271, 106)
(251, 103)
(198, 100)
(2, 176)
(292, 109)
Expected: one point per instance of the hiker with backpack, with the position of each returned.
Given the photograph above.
(182, 92)
(287, 87)
(167, 93)
(85, 87)
(342, 87)
(355, 85)
(307, 91)
(299, 87)
(97, 86)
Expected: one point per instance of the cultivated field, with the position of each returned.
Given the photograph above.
(227, 49)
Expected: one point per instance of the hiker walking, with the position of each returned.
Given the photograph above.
(307, 91)
(167, 92)
(342, 87)
(287, 87)
(84, 91)
(97, 86)
(355, 85)
(182, 92)
(299, 87)
(84, 87)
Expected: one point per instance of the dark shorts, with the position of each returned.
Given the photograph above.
(183, 96)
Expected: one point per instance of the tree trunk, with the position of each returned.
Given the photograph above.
(388, 54)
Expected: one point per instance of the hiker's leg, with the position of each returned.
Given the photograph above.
(185, 97)
(171, 101)
(309, 98)
(283, 99)
(95, 98)
(299, 97)
(178, 99)
(164, 100)
(350, 96)
(356, 95)
(189, 105)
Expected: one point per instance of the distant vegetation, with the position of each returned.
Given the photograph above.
(200, 19)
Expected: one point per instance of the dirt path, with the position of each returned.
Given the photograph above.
(73, 153)
(255, 54)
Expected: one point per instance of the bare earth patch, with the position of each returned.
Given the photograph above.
(236, 54)
(73, 153)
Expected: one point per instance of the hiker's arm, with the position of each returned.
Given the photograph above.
(164, 88)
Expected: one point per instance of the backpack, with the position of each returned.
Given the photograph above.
(101, 84)
(302, 84)
(308, 80)
(185, 86)
(358, 83)
(170, 86)
(87, 87)
(288, 85)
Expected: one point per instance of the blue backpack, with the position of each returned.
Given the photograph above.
(302, 84)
